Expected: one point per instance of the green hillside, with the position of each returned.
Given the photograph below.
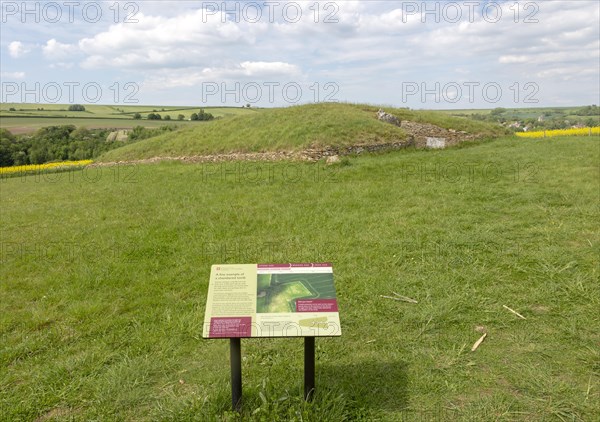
(292, 129)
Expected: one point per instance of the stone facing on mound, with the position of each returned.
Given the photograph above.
(388, 118)
(421, 131)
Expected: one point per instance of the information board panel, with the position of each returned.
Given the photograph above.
(271, 300)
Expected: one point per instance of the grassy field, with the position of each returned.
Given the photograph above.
(24, 125)
(558, 114)
(27, 118)
(533, 111)
(523, 113)
(111, 111)
(105, 272)
(291, 129)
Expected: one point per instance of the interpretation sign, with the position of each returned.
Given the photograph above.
(271, 300)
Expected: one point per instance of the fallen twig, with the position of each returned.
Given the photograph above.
(478, 342)
(405, 298)
(514, 312)
(389, 297)
(399, 299)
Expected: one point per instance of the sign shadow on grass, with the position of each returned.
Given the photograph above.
(381, 384)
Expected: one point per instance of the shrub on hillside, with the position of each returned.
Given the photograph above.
(138, 133)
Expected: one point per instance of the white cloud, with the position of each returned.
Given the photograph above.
(12, 75)
(58, 51)
(513, 59)
(551, 58)
(16, 49)
(263, 69)
(568, 73)
(62, 65)
(245, 72)
(191, 38)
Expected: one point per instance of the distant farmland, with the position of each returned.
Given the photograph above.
(22, 118)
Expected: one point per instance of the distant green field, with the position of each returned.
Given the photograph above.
(29, 117)
(525, 111)
(568, 113)
(20, 125)
(110, 111)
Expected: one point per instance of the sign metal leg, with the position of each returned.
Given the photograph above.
(235, 355)
(309, 368)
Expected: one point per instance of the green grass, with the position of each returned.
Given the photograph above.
(291, 129)
(105, 272)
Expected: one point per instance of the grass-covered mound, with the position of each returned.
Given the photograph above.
(291, 129)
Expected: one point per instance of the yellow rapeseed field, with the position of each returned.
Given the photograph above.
(586, 131)
(33, 168)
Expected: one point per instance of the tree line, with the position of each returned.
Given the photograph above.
(546, 120)
(200, 116)
(64, 143)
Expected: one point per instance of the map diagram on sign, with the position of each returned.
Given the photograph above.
(278, 293)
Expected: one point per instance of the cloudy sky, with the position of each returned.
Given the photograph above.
(438, 55)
